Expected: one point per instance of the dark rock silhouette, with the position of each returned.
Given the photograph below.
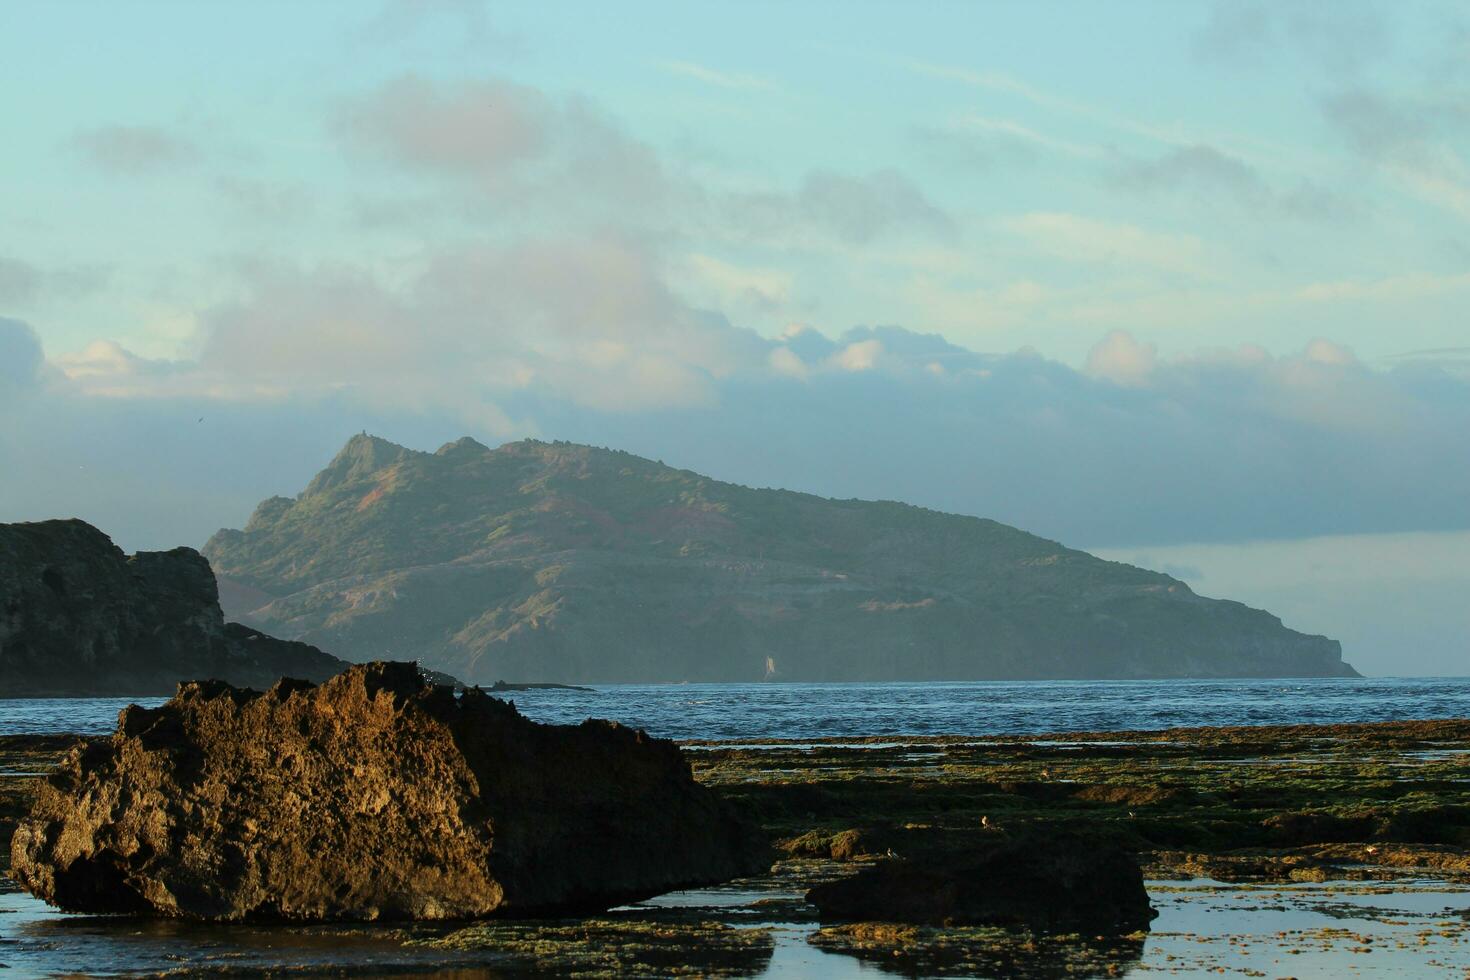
(557, 562)
(1050, 881)
(79, 617)
(373, 796)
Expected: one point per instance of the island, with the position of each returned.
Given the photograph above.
(564, 563)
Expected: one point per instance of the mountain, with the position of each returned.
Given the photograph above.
(80, 618)
(559, 562)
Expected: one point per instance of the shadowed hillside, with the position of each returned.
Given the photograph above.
(560, 562)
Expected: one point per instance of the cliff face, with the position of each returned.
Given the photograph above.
(559, 562)
(79, 617)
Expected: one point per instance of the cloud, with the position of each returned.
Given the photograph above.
(1342, 37)
(20, 358)
(1140, 448)
(23, 283)
(860, 208)
(1415, 142)
(720, 79)
(586, 319)
(1210, 173)
(479, 129)
(522, 151)
(402, 21)
(134, 150)
(1121, 359)
(761, 290)
(19, 281)
(1079, 239)
(861, 355)
(264, 200)
(105, 367)
(1198, 166)
(784, 360)
(827, 206)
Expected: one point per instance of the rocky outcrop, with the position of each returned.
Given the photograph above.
(373, 796)
(556, 562)
(1045, 881)
(79, 617)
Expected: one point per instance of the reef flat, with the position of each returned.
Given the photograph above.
(1268, 851)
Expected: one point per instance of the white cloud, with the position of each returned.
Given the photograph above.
(860, 356)
(784, 360)
(1387, 289)
(742, 287)
(1121, 359)
(733, 81)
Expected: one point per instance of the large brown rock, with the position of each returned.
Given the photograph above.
(78, 617)
(373, 796)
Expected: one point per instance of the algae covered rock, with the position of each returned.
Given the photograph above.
(1040, 880)
(373, 796)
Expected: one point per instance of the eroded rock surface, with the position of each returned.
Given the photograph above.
(78, 617)
(1040, 880)
(373, 796)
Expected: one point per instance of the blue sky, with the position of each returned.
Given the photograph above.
(1145, 277)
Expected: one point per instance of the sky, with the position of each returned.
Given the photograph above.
(1180, 283)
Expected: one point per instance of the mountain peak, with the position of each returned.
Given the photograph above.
(464, 444)
(362, 454)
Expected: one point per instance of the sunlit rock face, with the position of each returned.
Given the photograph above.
(557, 562)
(376, 795)
(79, 617)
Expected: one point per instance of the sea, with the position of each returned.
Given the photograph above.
(755, 712)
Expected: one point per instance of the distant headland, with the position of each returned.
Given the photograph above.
(556, 562)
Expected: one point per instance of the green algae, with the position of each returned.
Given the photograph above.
(617, 947)
(1400, 790)
(980, 951)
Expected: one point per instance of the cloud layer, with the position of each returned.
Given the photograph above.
(1137, 448)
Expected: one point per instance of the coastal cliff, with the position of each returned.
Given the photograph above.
(561, 562)
(78, 617)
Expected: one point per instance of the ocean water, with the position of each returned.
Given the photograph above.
(753, 712)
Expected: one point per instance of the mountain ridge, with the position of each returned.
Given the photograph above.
(570, 563)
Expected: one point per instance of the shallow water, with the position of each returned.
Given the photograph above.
(810, 711)
(1332, 929)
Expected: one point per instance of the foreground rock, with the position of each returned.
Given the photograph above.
(80, 618)
(1044, 881)
(373, 796)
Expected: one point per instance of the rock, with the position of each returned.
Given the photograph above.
(373, 796)
(847, 845)
(78, 618)
(1047, 881)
